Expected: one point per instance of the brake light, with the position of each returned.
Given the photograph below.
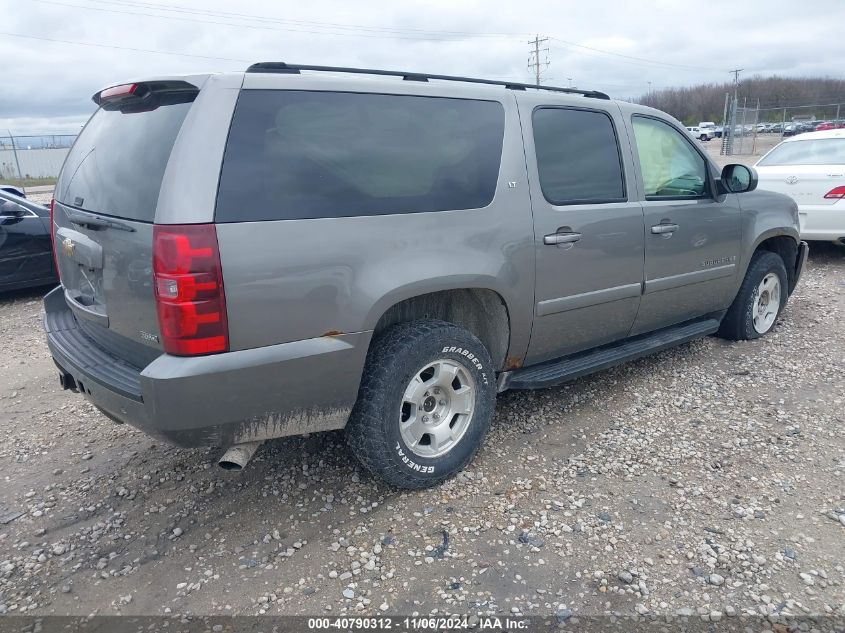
(837, 193)
(189, 294)
(53, 235)
(118, 91)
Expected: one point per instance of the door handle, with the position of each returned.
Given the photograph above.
(561, 238)
(663, 229)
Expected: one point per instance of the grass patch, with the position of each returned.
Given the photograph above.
(27, 182)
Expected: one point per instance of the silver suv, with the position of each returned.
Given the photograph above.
(287, 250)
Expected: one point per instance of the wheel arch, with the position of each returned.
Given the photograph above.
(481, 311)
(784, 244)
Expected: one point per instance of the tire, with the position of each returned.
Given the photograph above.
(703, 137)
(739, 323)
(425, 352)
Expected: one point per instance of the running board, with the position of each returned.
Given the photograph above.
(556, 372)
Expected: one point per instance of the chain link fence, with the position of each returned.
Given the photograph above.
(739, 132)
(32, 160)
(752, 130)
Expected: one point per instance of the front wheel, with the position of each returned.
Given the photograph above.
(760, 299)
(426, 400)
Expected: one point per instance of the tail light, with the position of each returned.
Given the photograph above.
(837, 193)
(53, 235)
(189, 289)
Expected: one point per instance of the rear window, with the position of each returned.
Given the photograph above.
(822, 151)
(117, 164)
(303, 154)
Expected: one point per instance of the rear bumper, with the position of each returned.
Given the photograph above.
(824, 222)
(221, 399)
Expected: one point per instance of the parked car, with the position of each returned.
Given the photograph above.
(252, 255)
(709, 128)
(13, 190)
(718, 131)
(830, 125)
(810, 169)
(26, 255)
(777, 128)
(701, 135)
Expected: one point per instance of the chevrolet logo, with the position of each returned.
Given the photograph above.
(791, 180)
(68, 246)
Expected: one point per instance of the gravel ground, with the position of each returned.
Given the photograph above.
(707, 480)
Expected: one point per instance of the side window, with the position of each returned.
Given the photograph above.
(670, 166)
(578, 156)
(301, 154)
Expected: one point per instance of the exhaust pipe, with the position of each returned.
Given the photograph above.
(238, 456)
(67, 381)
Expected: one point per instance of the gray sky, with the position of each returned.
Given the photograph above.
(616, 46)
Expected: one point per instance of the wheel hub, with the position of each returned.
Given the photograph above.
(767, 303)
(429, 403)
(437, 407)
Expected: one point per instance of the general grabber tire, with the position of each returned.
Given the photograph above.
(760, 299)
(425, 403)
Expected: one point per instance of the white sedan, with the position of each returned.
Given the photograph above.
(810, 169)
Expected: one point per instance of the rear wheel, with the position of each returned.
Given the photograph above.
(760, 299)
(426, 400)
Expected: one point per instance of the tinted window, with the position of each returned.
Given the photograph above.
(577, 156)
(298, 154)
(669, 164)
(117, 164)
(822, 151)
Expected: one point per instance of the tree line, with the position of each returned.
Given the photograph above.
(706, 102)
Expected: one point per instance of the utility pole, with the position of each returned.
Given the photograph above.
(534, 57)
(17, 161)
(736, 72)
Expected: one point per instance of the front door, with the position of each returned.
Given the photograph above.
(588, 228)
(692, 235)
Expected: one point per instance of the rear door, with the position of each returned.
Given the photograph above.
(105, 206)
(588, 227)
(692, 236)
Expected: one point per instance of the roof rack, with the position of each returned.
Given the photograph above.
(282, 67)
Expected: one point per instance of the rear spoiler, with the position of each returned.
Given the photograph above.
(141, 95)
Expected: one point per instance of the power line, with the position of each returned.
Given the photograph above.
(123, 48)
(194, 20)
(631, 57)
(216, 13)
(326, 28)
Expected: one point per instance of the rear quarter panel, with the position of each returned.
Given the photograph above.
(189, 189)
(288, 280)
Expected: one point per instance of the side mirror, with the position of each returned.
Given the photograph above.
(738, 178)
(12, 209)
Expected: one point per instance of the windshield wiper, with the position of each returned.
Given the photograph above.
(97, 222)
